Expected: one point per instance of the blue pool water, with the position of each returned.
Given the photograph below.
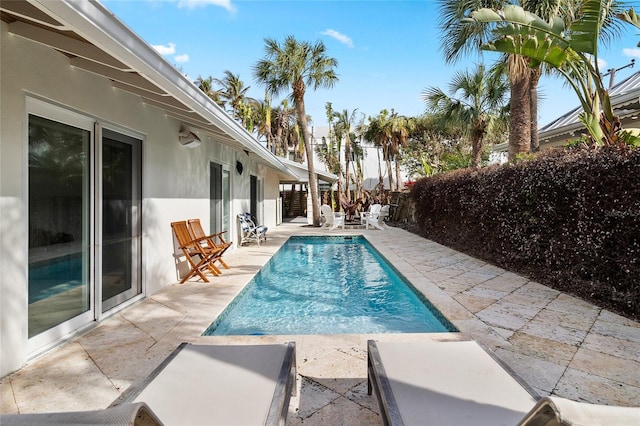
(328, 285)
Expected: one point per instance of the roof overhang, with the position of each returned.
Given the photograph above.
(302, 173)
(96, 41)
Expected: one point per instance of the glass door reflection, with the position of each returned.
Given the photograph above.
(121, 186)
(59, 211)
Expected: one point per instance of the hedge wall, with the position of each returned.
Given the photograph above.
(569, 219)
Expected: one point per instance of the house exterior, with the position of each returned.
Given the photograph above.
(102, 145)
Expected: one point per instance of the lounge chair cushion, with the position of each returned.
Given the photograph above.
(555, 411)
(452, 383)
(138, 414)
(219, 384)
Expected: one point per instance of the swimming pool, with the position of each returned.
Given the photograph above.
(328, 285)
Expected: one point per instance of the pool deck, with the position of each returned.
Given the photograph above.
(557, 343)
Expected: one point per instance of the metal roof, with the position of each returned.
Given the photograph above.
(624, 98)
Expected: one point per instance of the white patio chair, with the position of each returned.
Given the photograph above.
(331, 218)
(374, 216)
(249, 231)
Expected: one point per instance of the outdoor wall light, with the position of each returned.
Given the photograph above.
(188, 138)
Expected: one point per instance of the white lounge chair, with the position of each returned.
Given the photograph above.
(221, 385)
(138, 414)
(331, 218)
(444, 383)
(555, 411)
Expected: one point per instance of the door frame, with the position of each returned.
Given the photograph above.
(51, 337)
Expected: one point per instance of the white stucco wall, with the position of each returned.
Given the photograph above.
(175, 178)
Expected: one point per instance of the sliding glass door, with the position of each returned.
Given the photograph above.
(59, 223)
(219, 199)
(120, 220)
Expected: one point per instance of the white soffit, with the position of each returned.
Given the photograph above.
(96, 41)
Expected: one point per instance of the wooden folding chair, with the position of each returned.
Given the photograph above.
(210, 244)
(199, 259)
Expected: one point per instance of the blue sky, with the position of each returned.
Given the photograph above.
(388, 52)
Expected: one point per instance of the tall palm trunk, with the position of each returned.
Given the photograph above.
(347, 160)
(398, 174)
(533, 89)
(306, 136)
(389, 170)
(477, 137)
(380, 178)
(359, 182)
(520, 106)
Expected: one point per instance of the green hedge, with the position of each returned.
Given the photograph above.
(569, 219)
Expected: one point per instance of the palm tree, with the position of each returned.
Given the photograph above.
(297, 65)
(571, 50)
(261, 122)
(401, 127)
(206, 85)
(282, 125)
(359, 154)
(234, 93)
(379, 132)
(475, 100)
(462, 36)
(335, 147)
(329, 152)
(343, 133)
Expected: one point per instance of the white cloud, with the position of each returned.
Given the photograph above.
(602, 64)
(338, 36)
(167, 49)
(181, 58)
(632, 52)
(192, 4)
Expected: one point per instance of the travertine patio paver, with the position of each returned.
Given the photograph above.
(559, 344)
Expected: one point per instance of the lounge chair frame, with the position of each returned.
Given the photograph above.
(378, 382)
(285, 385)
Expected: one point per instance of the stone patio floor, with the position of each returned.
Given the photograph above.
(557, 343)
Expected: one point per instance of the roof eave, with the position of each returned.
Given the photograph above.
(98, 25)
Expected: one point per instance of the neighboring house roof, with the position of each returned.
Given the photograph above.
(95, 40)
(301, 170)
(624, 98)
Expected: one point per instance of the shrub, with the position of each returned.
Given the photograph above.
(569, 219)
